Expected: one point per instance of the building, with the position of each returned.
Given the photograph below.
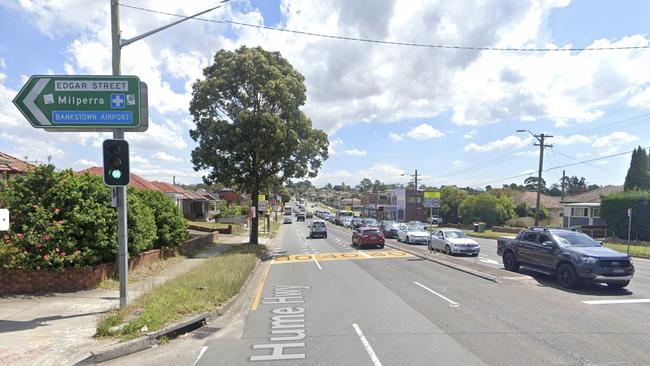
(378, 206)
(552, 204)
(409, 205)
(230, 196)
(11, 166)
(584, 209)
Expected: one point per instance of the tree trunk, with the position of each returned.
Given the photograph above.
(255, 219)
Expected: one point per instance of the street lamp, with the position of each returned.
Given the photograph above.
(540, 138)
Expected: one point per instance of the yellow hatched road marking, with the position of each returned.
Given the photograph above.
(298, 258)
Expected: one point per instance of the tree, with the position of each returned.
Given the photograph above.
(487, 208)
(638, 175)
(249, 125)
(450, 199)
(531, 184)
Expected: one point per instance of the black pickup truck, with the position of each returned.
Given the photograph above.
(573, 257)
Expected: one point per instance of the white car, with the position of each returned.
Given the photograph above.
(412, 234)
(287, 219)
(347, 221)
(453, 241)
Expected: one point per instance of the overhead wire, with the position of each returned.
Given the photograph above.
(398, 43)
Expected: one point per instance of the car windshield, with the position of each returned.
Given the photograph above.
(371, 232)
(318, 225)
(455, 234)
(356, 220)
(371, 222)
(415, 228)
(575, 239)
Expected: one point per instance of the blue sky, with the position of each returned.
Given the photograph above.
(388, 110)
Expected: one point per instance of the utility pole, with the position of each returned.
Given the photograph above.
(541, 138)
(120, 192)
(563, 179)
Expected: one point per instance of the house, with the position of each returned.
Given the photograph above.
(584, 209)
(552, 204)
(135, 180)
(11, 166)
(230, 196)
(193, 205)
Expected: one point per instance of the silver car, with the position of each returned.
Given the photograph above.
(452, 241)
(412, 234)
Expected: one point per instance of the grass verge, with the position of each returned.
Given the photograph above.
(142, 272)
(275, 226)
(206, 287)
(487, 234)
(642, 251)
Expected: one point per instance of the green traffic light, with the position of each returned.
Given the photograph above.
(115, 174)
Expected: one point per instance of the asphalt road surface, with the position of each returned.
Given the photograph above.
(326, 303)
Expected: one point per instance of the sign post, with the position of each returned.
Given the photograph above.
(629, 229)
(431, 200)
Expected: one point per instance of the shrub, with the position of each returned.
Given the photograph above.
(487, 208)
(142, 224)
(614, 212)
(171, 228)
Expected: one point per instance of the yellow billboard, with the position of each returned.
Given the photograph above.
(431, 194)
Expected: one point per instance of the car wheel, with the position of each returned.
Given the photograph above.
(408, 240)
(325, 236)
(381, 246)
(510, 262)
(447, 250)
(474, 254)
(618, 285)
(567, 276)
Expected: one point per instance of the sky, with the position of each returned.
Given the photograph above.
(388, 110)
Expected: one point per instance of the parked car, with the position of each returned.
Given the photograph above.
(287, 219)
(318, 229)
(309, 215)
(300, 216)
(347, 221)
(370, 222)
(573, 257)
(412, 234)
(435, 220)
(415, 223)
(453, 241)
(389, 228)
(356, 222)
(364, 236)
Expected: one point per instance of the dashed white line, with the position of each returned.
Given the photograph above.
(366, 345)
(452, 303)
(608, 302)
(316, 261)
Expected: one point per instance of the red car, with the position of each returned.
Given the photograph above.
(367, 236)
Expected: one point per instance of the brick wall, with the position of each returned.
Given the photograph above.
(74, 279)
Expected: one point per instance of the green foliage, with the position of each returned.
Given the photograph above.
(638, 175)
(58, 220)
(523, 210)
(614, 212)
(451, 198)
(487, 208)
(171, 227)
(226, 211)
(249, 126)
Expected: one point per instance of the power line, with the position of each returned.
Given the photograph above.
(398, 43)
(576, 160)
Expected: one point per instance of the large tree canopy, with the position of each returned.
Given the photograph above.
(249, 126)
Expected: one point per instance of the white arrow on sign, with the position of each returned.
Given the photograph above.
(31, 97)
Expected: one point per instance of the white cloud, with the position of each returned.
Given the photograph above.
(424, 132)
(355, 152)
(612, 143)
(570, 140)
(83, 163)
(640, 99)
(334, 145)
(505, 143)
(458, 163)
(527, 153)
(384, 172)
(395, 136)
(470, 134)
(163, 156)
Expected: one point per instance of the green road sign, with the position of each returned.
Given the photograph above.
(88, 102)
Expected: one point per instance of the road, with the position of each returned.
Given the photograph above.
(325, 303)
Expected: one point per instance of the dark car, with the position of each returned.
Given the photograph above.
(364, 236)
(357, 222)
(300, 216)
(572, 256)
(389, 228)
(309, 215)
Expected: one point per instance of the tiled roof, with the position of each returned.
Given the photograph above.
(593, 196)
(530, 198)
(170, 188)
(11, 164)
(136, 180)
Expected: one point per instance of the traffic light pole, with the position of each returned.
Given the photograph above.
(120, 192)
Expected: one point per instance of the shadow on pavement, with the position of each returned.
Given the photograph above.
(7, 326)
(593, 289)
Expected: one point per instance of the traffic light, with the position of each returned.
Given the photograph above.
(116, 163)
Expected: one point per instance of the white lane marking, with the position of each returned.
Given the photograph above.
(364, 254)
(203, 349)
(452, 303)
(487, 260)
(608, 302)
(316, 261)
(366, 345)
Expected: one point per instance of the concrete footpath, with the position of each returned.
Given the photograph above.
(58, 328)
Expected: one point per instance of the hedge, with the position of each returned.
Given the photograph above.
(614, 212)
(59, 219)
